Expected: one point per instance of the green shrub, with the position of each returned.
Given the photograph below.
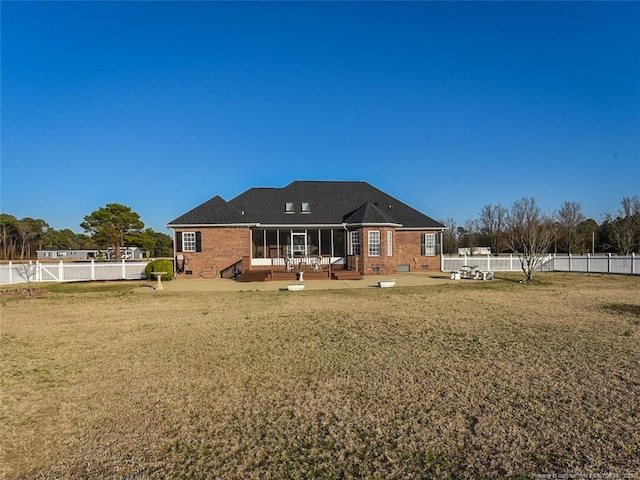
(159, 265)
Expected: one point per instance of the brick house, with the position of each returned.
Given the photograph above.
(323, 228)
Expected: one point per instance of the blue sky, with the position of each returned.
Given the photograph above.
(447, 106)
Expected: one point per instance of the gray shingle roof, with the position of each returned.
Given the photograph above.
(214, 211)
(369, 213)
(331, 203)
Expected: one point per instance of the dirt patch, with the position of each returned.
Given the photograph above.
(22, 292)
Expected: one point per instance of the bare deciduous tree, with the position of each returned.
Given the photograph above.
(449, 238)
(625, 227)
(529, 234)
(590, 234)
(491, 225)
(471, 239)
(570, 217)
(28, 273)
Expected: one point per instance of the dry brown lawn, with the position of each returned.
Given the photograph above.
(466, 380)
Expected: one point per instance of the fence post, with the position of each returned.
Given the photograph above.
(488, 263)
(608, 263)
(10, 272)
(570, 261)
(633, 263)
(61, 271)
(124, 271)
(93, 269)
(588, 262)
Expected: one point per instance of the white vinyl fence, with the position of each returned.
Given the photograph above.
(629, 265)
(487, 263)
(70, 272)
(624, 264)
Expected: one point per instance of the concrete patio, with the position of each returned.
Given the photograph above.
(370, 281)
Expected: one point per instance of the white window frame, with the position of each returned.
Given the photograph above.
(354, 240)
(429, 245)
(389, 243)
(305, 207)
(373, 242)
(288, 207)
(188, 241)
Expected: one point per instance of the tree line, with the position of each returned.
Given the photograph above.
(564, 231)
(109, 228)
(522, 229)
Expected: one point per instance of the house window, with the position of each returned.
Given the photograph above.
(389, 243)
(305, 207)
(374, 243)
(288, 207)
(355, 243)
(429, 244)
(188, 241)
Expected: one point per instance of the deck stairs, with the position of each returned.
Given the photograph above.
(346, 275)
(268, 275)
(254, 276)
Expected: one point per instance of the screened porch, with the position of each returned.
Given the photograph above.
(312, 249)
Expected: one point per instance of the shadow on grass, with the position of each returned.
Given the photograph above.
(624, 308)
(95, 286)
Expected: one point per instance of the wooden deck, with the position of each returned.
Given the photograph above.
(268, 275)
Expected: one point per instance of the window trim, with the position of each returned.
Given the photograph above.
(429, 249)
(354, 246)
(373, 243)
(188, 241)
(389, 243)
(182, 242)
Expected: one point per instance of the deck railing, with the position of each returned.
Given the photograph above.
(297, 263)
(305, 262)
(353, 262)
(232, 271)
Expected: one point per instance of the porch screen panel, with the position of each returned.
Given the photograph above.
(313, 242)
(339, 243)
(285, 242)
(272, 243)
(258, 242)
(325, 242)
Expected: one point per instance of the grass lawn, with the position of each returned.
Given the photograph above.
(465, 380)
